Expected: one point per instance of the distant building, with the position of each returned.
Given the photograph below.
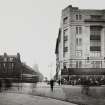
(11, 67)
(80, 46)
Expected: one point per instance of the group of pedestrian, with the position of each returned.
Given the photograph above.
(52, 82)
(5, 84)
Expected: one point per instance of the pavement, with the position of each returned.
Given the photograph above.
(74, 95)
(44, 90)
(25, 99)
(67, 93)
(96, 95)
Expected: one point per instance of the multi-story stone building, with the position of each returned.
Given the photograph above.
(80, 42)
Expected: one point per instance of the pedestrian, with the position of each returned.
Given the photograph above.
(59, 82)
(51, 84)
(0, 85)
(85, 89)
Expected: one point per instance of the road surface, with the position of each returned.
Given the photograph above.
(24, 99)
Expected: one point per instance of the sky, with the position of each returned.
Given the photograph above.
(30, 27)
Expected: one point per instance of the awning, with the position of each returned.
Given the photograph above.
(83, 71)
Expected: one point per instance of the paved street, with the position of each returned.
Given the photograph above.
(65, 92)
(24, 99)
(27, 94)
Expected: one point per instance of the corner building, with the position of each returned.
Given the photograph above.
(80, 46)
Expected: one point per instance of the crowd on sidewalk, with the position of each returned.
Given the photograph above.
(81, 80)
(5, 84)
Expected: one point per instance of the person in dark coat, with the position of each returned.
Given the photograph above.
(59, 82)
(51, 84)
(85, 85)
(0, 85)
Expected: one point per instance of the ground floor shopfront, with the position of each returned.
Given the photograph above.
(81, 76)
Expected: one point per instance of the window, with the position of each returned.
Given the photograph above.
(65, 38)
(95, 43)
(78, 64)
(71, 64)
(96, 64)
(5, 59)
(4, 65)
(78, 30)
(65, 32)
(65, 54)
(11, 59)
(78, 17)
(95, 54)
(65, 20)
(95, 38)
(64, 65)
(65, 43)
(78, 41)
(95, 30)
(65, 49)
(9, 66)
(95, 48)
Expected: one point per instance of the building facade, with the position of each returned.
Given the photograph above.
(13, 69)
(10, 65)
(80, 42)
